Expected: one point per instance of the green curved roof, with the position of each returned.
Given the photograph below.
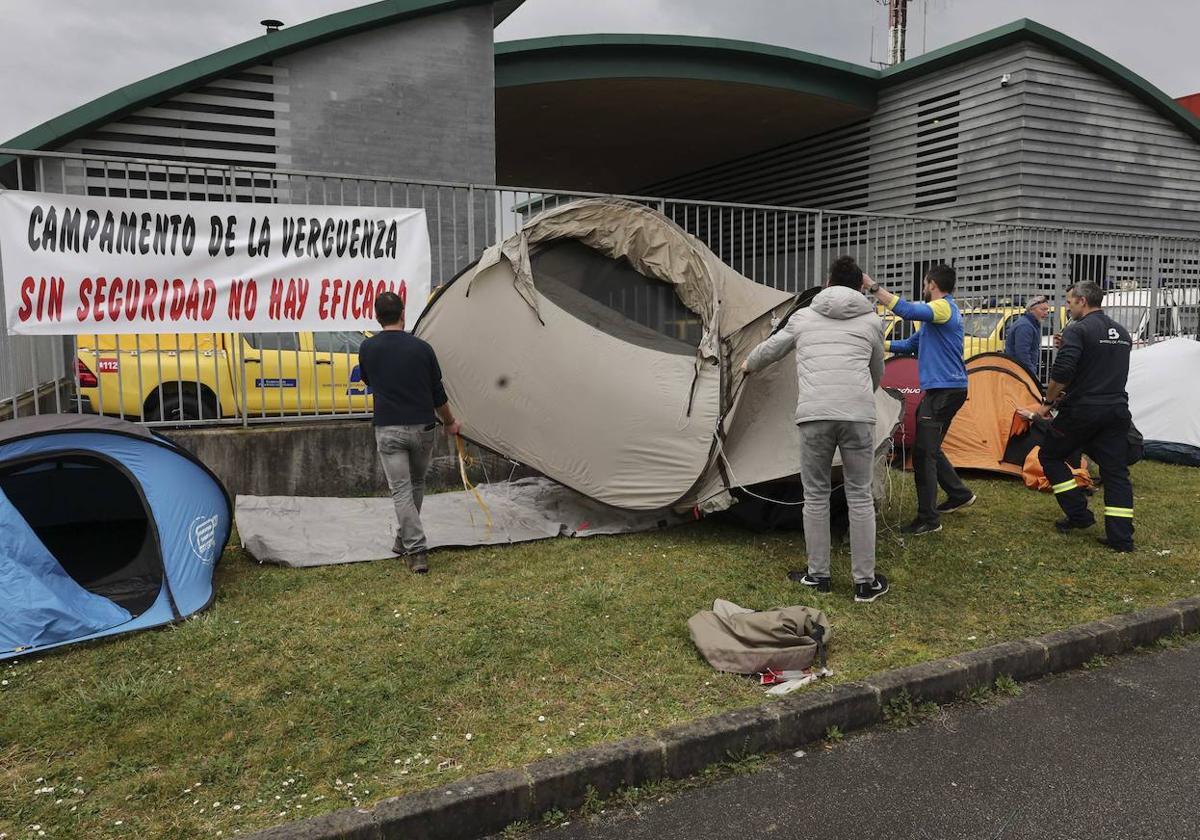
(290, 39)
(628, 56)
(600, 56)
(580, 57)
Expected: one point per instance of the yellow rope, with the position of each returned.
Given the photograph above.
(463, 461)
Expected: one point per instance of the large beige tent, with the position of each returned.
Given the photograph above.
(602, 346)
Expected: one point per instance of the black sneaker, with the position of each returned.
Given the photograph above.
(1120, 548)
(1064, 526)
(949, 506)
(919, 527)
(821, 584)
(865, 593)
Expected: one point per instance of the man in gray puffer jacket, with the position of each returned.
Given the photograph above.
(838, 345)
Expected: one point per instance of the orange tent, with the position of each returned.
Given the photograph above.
(996, 387)
(1032, 472)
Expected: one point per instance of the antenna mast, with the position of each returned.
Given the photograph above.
(897, 26)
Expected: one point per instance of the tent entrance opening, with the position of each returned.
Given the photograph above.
(615, 298)
(91, 517)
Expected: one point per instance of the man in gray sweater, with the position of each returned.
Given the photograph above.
(838, 346)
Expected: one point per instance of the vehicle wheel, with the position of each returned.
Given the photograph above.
(180, 407)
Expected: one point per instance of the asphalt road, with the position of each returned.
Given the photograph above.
(1103, 754)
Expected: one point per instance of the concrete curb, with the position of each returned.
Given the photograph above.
(481, 805)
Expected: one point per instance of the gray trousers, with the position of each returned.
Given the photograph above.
(405, 452)
(856, 442)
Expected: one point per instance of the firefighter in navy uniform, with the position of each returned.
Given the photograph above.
(1087, 383)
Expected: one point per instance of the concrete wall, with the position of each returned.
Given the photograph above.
(317, 459)
(412, 100)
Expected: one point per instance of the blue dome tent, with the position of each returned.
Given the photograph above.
(105, 528)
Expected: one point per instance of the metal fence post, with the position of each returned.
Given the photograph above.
(1064, 270)
(1155, 281)
(818, 246)
(237, 356)
(470, 223)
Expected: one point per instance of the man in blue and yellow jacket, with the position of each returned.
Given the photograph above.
(938, 346)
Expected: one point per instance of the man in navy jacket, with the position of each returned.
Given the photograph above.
(1023, 341)
(404, 375)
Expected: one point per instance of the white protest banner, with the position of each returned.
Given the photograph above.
(79, 264)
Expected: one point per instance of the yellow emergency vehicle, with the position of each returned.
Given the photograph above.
(159, 377)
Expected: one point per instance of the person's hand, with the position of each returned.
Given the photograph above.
(867, 282)
(1044, 411)
(745, 370)
(1026, 413)
(1058, 341)
(454, 429)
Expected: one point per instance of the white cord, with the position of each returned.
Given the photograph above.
(890, 530)
(737, 484)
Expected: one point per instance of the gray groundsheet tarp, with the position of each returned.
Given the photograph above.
(305, 531)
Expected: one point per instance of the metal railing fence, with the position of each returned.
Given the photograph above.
(244, 378)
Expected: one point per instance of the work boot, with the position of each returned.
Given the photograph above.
(418, 562)
(1118, 547)
(1066, 525)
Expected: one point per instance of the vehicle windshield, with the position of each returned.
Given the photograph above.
(980, 324)
(340, 341)
(1129, 317)
(895, 329)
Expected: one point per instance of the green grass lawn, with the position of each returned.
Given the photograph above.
(307, 690)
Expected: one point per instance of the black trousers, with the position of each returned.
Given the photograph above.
(1102, 432)
(931, 467)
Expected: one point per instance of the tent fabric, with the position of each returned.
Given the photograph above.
(901, 375)
(1023, 449)
(58, 423)
(759, 418)
(655, 246)
(185, 523)
(604, 416)
(1164, 399)
(996, 387)
(538, 372)
(1035, 476)
(737, 640)
(1172, 453)
(977, 439)
(40, 603)
(301, 532)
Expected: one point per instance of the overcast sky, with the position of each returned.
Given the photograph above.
(58, 54)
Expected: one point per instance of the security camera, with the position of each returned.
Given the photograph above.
(1005, 79)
